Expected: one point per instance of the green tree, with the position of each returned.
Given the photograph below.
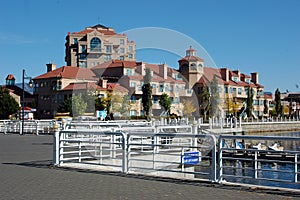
(65, 106)
(278, 106)
(249, 101)
(147, 94)
(78, 105)
(8, 104)
(165, 102)
(214, 97)
(125, 108)
(75, 106)
(266, 106)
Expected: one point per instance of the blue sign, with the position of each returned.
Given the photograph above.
(191, 158)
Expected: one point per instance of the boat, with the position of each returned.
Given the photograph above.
(275, 147)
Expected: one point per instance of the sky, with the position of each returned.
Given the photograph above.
(250, 35)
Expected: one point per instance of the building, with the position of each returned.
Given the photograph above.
(233, 86)
(59, 84)
(17, 92)
(97, 44)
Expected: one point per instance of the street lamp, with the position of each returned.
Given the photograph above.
(23, 97)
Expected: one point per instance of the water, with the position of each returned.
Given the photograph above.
(244, 171)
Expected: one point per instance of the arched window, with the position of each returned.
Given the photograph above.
(95, 44)
(193, 66)
(59, 85)
(200, 66)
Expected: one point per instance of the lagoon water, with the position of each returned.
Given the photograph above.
(279, 171)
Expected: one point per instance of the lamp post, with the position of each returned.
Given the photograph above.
(23, 98)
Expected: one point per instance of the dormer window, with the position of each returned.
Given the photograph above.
(235, 79)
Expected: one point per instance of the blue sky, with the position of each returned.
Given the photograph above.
(256, 35)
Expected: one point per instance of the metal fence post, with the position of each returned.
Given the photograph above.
(125, 153)
(56, 148)
(214, 159)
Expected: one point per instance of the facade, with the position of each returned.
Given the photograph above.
(130, 75)
(232, 85)
(97, 44)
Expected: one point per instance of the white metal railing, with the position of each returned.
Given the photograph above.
(30, 126)
(179, 151)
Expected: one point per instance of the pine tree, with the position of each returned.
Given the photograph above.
(278, 106)
(147, 94)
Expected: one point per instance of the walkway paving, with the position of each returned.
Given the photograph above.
(26, 173)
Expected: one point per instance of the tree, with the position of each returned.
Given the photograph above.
(65, 106)
(78, 105)
(125, 108)
(188, 107)
(249, 101)
(165, 102)
(75, 106)
(214, 97)
(266, 106)
(8, 104)
(204, 100)
(147, 94)
(278, 106)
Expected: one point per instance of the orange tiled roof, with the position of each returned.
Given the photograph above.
(69, 72)
(116, 87)
(82, 86)
(189, 58)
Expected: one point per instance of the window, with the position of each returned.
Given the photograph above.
(107, 58)
(121, 57)
(122, 50)
(130, 48)
(155, 99)
(75, 41)
(108, 49)
(200, 67)
(161, 88)
(235, 79)
(128, 72)
(193, 66)
(122, 41)
(83, 48)
(59, 85)
(82, 64)
(95, 44)
(176, 88)
(132, 99)
(153, 86)
(53, 98)
(133, 113)
(82, 56)
(247, 80)
(132, 84)
(130, 55)
(240, 91)
(226, 90)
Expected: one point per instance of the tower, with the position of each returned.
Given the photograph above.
(191, 67)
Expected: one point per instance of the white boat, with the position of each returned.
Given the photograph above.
(258, 146)
(275, 147)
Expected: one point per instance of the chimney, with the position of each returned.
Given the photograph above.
(163, 71)
(254, 77)
(103, 83)
(225, 74)
(51, 67)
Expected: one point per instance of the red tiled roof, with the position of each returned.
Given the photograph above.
(189, 58)
(116, 87)
(86, 31)
(69, 72)
(10, 77)
(82, 86)
(268, 96)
